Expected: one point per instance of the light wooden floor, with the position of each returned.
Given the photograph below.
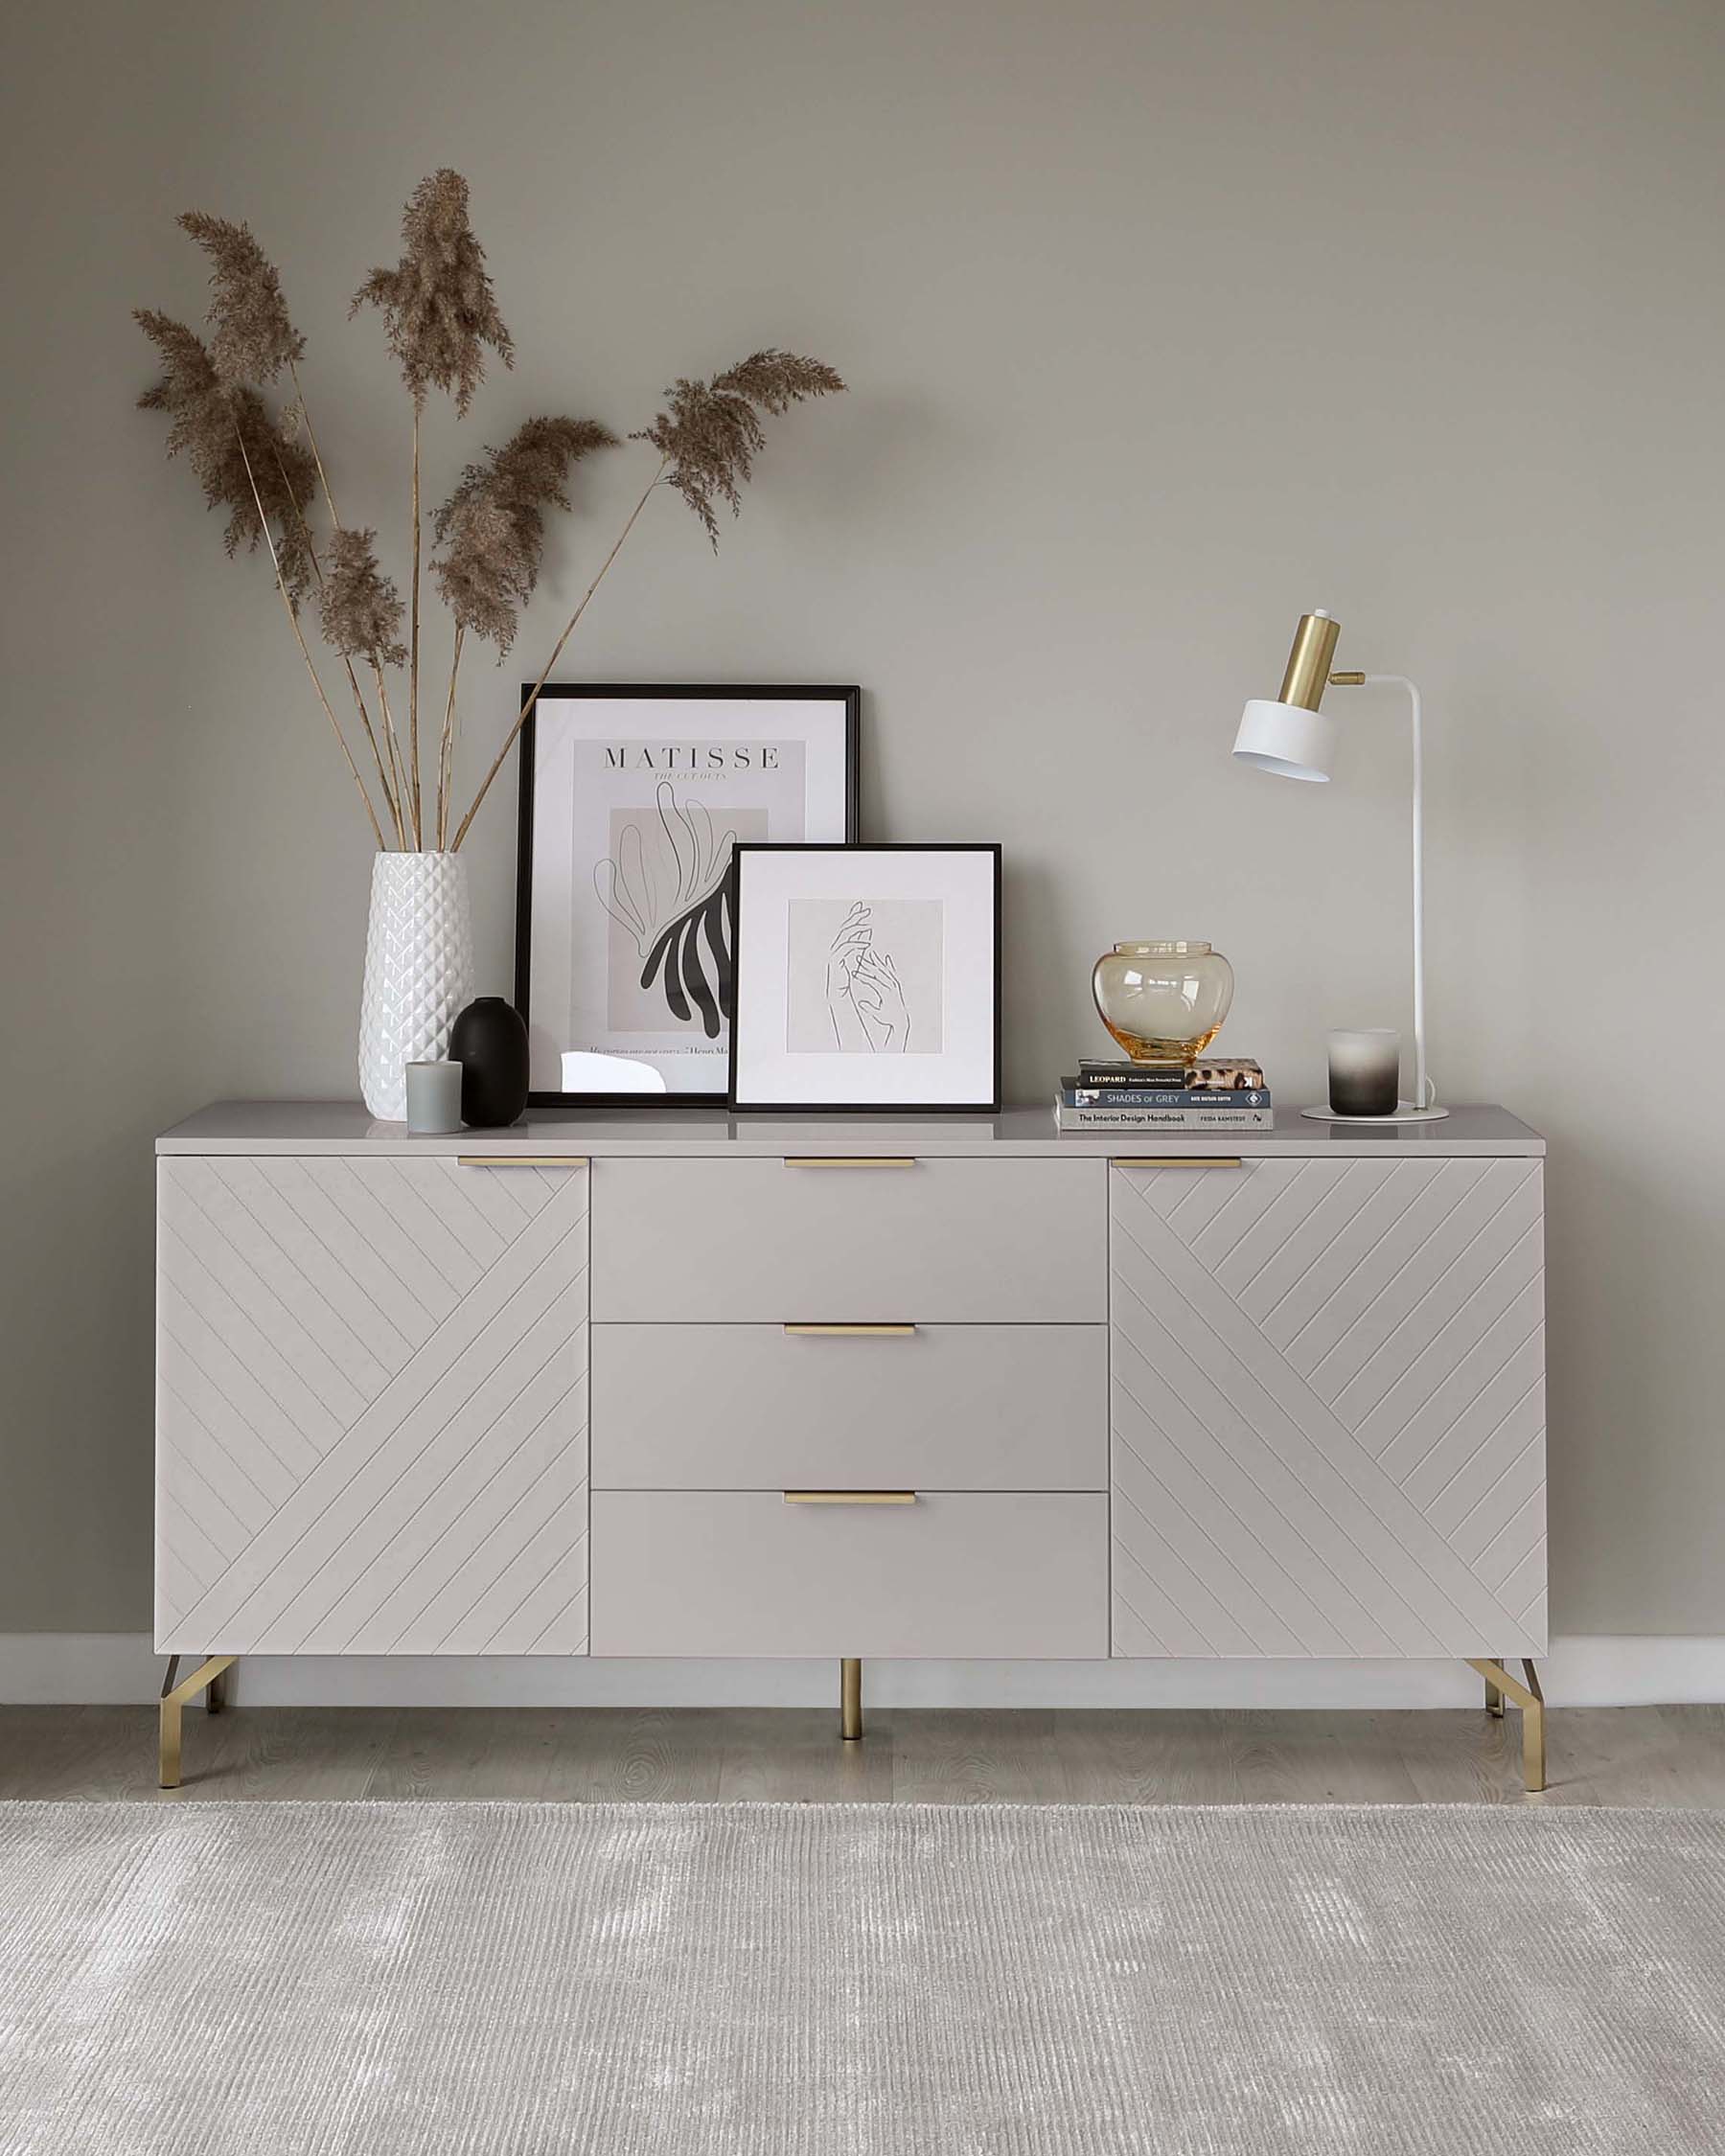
(1599, 1755)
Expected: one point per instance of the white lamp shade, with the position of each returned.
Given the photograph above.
(1286, 739)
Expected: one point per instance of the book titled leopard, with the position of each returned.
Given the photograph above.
(1217, 1074)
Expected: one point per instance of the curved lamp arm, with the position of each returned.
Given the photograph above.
(1425, 1092)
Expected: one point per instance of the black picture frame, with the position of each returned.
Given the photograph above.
(849, 694)
(991, 1106)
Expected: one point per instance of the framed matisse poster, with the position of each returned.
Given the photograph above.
(632, 797)
(867, 977)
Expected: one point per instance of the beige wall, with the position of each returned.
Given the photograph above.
(1164, 321)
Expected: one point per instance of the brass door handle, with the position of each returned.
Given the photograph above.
(851, 1160)
(1176, 1161)
(851, 1332)
(850, 1497)
(523, 1160)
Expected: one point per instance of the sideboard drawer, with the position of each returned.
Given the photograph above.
(936, 1241)
(744, 1572)
(767, 1407)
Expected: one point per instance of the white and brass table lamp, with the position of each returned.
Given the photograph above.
(1294, 738)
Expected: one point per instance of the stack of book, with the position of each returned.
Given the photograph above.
(1226, 1093)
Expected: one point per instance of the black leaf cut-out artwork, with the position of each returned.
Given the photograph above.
(687, 970)
(669, 889)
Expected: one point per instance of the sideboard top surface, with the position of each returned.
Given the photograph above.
(345, 1127)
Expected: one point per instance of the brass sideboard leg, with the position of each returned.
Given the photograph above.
(850, 1699)
(1534, 1756)
(1494, 1699)
(168, 1767)
(174, 1699)
(1531, 1699)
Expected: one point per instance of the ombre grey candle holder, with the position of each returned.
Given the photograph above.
(1364, 1072)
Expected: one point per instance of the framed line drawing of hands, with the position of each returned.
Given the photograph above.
(632, 797)
(869, 1006)
(866, 977)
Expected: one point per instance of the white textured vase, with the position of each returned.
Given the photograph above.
(418, 971)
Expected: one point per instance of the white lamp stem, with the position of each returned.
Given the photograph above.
(1425, 1093)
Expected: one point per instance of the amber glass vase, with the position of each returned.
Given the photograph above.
(1164, 1002)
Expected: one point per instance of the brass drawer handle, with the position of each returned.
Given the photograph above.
(850, 1497)
(1176, 1161)
(854, 1160)
(521, 1161)
(851, 1332)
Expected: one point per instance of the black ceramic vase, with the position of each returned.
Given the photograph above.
(489, 1040)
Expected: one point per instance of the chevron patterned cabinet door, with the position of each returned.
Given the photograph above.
(1327, 1407)
(371, 1406)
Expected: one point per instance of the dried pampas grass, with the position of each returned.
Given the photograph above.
(441, 320)
(360, 609)
(492, 533)
(437, 300)
(493, 527)
(254, 339)
(245, 465)
(706, 440)
(709, 434)
(441, 313)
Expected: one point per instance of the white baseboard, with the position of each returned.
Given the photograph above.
(1589, 1669)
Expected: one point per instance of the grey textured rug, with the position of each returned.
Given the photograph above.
(373, 1978)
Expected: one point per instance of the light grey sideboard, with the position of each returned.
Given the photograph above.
(678, 1384)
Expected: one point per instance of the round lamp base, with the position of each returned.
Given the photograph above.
(1404, 1112)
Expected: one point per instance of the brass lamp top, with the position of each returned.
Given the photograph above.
(1309, 661)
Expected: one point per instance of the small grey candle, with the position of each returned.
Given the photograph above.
(1365, 1071)
(433, 1098)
